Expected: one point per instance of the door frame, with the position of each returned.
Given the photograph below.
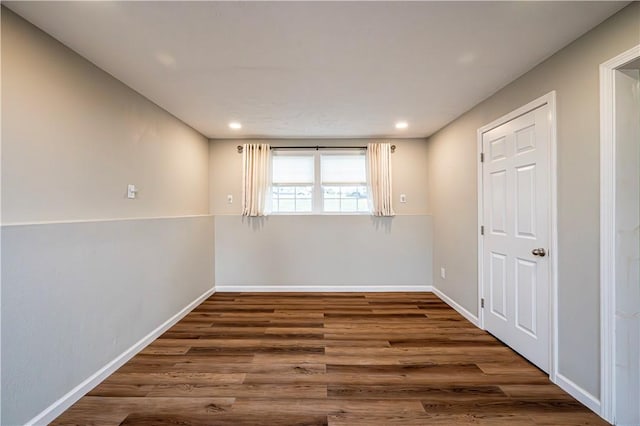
(607, 228)
(550, 100)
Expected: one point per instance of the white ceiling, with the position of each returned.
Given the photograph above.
(316, 69)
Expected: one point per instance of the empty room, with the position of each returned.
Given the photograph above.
(320, 213)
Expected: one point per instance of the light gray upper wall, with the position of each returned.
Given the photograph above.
(73, 137)
(574, 74)
(409, 164)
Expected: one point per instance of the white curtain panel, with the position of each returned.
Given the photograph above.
(256, 176)
(379, 170)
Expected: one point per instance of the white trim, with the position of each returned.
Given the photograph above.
(550, 100)
(118, 219)
(233, 288)
(535, 104)
(54, 410)
(578, 393)
(553, 237)
(459, 308)
(480, 224)
(607, 228)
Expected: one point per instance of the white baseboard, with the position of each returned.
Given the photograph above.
(584, 397)
(223, 288)
(70, 398)
(462, 311)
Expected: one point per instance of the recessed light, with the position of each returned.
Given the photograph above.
(166, 59)
(402, 125)
(235, 125)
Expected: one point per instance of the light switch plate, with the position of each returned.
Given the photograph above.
(132, 191)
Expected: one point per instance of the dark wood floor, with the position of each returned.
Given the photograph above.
(330, 358)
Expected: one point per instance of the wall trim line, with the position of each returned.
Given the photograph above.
(118, 219)
(58, 407)
(473, 319)
(233, 288)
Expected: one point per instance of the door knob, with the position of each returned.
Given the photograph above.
(538, 252)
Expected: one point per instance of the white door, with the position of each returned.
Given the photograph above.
(516, 234)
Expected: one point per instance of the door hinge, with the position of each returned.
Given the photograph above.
(482, 230)
(482, 302)
(482, 157)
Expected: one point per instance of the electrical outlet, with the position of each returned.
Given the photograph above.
(443, 273)
(403, 198)
(229, 199)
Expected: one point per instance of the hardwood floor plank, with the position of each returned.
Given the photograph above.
(116, 389)
(325, 406)
(414, 391)
(174, 377)
(422, 419)
(503, 405)
(240, 391)
(224, 419)
(404, 368)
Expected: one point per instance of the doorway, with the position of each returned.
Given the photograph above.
(620, 237)
(517, 245)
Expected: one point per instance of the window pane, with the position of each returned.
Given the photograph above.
(292, 199)
(345, 198)
(331, 191)
(304, 191)
(303, 205)
(349, 205)
(293, 169)
(287, 205)
(343, 168)
(353, 192)
(362, 192)
(331, 205)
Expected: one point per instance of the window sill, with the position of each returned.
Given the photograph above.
(321, 214)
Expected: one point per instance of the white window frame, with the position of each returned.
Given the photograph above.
(317, 200)
(295, 153)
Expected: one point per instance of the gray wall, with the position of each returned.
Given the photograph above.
(86, 272)
(573, 74)
(323, 252)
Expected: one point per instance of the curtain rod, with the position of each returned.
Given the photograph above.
(316, 147)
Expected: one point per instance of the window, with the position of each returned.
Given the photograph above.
(332, 182)
(292, 183)
(344, 183)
